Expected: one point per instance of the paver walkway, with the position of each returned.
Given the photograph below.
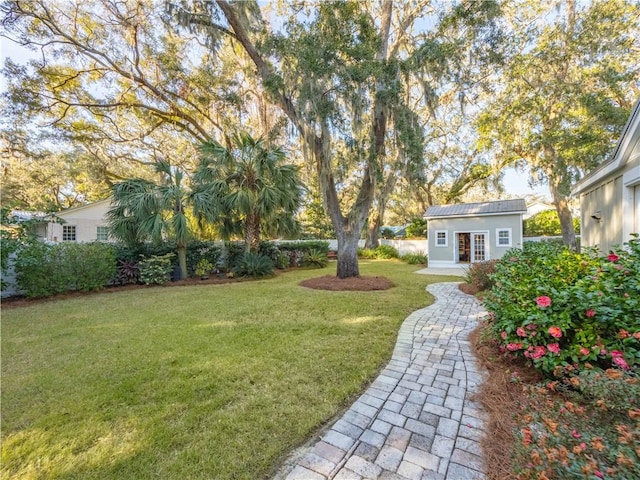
(416, 421)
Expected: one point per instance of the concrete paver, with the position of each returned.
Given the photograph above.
(416, 420)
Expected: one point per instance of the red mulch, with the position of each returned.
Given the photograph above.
(360, 284)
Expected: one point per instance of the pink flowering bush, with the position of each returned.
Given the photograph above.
(561, 310)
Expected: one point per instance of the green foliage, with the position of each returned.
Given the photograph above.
(559, 309)
(385, 252)
(591, 430)
(386, 232)
(204, 268)
(198, 251)
(315, 258)
(247, 189)
(43, 270)
(127, 272)
(382, 252)
(414, 258)
(480, 274)
(417, 228)
(546, 223)
(156, 269)
(254, 265)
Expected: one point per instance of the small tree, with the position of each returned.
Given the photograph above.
(547, 223)
(247, 188)
(143, 210)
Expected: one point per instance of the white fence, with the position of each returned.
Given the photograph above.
(403, 246)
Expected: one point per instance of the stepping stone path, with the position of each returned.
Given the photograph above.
(416, 421)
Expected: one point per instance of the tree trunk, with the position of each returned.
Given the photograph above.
(348, 254)
(562, 207)
(373, 232)
(252, 233)
(182, 260)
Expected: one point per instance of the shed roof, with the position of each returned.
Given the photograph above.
(474, 209)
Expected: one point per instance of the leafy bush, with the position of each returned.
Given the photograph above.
(156, 269)
(254, 265)
(367, 253)
(315, 258)
(197, 251)
(479, 275)
(127, 272)
(546, 223)
(591, 430)
(204, 268)
(414, 258)
(562, 310)
(43, 270)
(386, 251)
(417, 228)
(386, 232)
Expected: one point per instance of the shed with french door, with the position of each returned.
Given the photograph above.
(466, 233)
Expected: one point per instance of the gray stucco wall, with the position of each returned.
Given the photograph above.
(485, 224)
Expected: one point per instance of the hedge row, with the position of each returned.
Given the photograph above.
(43, 270)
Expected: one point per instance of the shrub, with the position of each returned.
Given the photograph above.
(479, 275)
(366, 253)
(386, 232)
(127, 272)
(562, 310)
(386, 251)
(414, 258)
(254, 265)
(417, 228)
(43, 270)
(315, 258)
(591, 430)
(197, 251)
(156, 269)
(204, 268)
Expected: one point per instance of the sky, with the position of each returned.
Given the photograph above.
(515, 182)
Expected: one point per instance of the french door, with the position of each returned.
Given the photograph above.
(478, 247)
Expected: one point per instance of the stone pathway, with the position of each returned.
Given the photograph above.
(416, 421)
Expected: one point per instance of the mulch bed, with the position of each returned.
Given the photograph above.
(360, 284)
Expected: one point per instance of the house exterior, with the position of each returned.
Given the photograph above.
(610, 195)
(473, 232)
(86, 223)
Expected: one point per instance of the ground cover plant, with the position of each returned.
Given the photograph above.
(572, 318)
(211, 381)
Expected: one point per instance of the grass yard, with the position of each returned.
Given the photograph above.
(215, 382)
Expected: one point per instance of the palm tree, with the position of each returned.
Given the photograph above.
(143, 210)
(247, 189)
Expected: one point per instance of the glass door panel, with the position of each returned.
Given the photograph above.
(478, 247)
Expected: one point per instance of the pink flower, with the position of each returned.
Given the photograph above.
(521, 332)
(598, 474)
(554, 347)
(612, 257)
(616, 353)
(620, 362)
(539, 352)
(590, 313)
(543, 301)
(555, 332)
(503, 335)
(584, 351)
(575, 434)
(603, 351)
(512, 347)
(532, 326)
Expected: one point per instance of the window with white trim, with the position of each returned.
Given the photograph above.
(102, 234)
(442, 238)
(68, 233)
(503, 237)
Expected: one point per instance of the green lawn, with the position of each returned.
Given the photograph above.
(214, 382)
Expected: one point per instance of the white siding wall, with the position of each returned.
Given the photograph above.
(86, 219)
(489, 224)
